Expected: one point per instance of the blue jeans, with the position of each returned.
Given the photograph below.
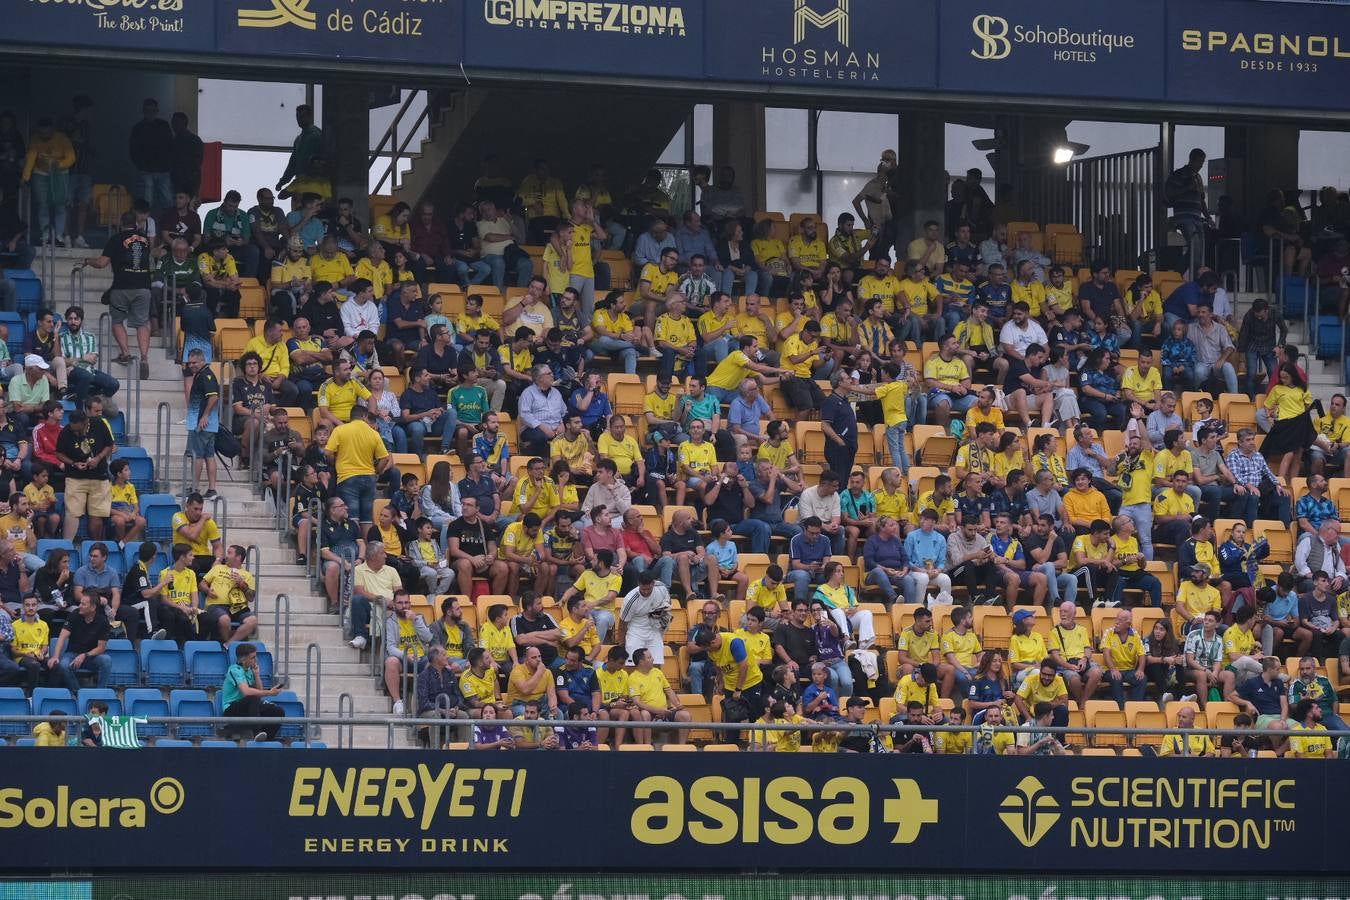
(713, 352)
(964, 677)
(397, 441)
(362, 607)
(1230, 382)
(895, 442)
(1183, 382)
(1142, 516)
(958, 405)
(801, 583)
(1103, 416)
(752, 281)
(615, 347)
(890, 587)
(841, 677)
(86, 381)
(1138, 579)
(760, 532)
(662, 567)
(1132, 680)
(1059, 585)
(702, 674)
(50, 214)
(155, 188)
(916, 407)
(952, 317)
(497, 265)
(1266, 359)
(691, 366)
(358, 492)
(604, 624)
(100, 665)
(476, 272)
(417, 432)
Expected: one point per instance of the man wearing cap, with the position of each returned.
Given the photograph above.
(29, 390)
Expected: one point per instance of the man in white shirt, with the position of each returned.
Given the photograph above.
(822, 501)
(1021, 331)
(541, 411)
(1320, 553)
(361, 313)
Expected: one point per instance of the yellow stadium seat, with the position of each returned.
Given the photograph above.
(1016, 229)
(1066, 248)
(635, 747)
(1220, 713)
(1238, 411)
(1280, 538)
(937, 447)
(902, 616)
(487, 601)
(722, 748)
(1097, 751)
(881, 621)
(994, 626)
(669, 748)
(754, 565)
(1145, 714)
(699, 711)
(1077, 719)
(252, 299)
(678, 631)
(1105, 714)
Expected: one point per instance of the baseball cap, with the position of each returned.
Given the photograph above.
(35, 361)
(1022, 615)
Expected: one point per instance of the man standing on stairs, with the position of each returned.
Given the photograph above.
(128, 252)
(84, 452)
(360, 457)
(203, 419)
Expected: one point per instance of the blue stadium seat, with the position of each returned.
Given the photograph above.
(173, 742)
(162, 663)
(26, 742)
(147, 702)
(14, 703)
(220, 745)
(125, 666)
(1329, 337)
(118, 423)
(30, 290)
(295, 709)
(265, 664)
(47, 545)
(47, 699)
(158, 564)
(192, 703)
(206, 663)
(142, 466)
(89, 695)
(264, 745)
(158, 510)
(312, 745)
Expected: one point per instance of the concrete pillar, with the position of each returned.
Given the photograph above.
(922, 175)
(738, 141)
(1267, 157)
(185, 99)
(346, 125)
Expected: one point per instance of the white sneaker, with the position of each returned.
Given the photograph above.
(80, 243)
(358, 642)
(398, 707)
(1166, 698)
(1188, 698)
(182, 421)
(943, 598)
(1098, 604)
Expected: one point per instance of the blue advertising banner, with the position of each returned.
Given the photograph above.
(1094, 48)
(660, 39)
(168, 26)
(425, 32)
(364, 810)
(886, 44)
(1258, 54)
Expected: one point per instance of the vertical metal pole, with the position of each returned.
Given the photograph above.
(163, 420)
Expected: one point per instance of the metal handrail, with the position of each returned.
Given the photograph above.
(163, 422)
(282, 497)
(133, 416)
(168, 314)
(77, 295)
(390, 136)
(104, 339)
(188, 481)
(314, 676)
(281, 625)
(314, 569)
(256, 468)
(220, 511)
(346, 709)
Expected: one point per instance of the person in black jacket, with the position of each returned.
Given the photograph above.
(738, 261)
(185, 170)
(152, 155)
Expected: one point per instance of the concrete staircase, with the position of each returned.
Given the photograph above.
(248, 522)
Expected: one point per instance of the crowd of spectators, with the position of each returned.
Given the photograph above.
(481, 346)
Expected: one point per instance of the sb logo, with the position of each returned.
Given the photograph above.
(993, 32)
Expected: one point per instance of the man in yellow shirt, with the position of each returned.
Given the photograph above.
(276, 361)
(725, 381)
(31, 644)
(1084, 504)
(1187, 744)
(339, 394)
(1142, 383)
(1124, 653)
(653, 699)
(1071, 650)
(1333, 436)
(178, 608)
(961, 651)
(1134, 469)
(1195, 597)
(359, 458)
(331, 266)
(1026, 289)
(807, 252)
(675, 337)
(197, 529)
(696, 459)
(948, 383)
(803, 356)
(656, 283)
(616, 444)
(1308, 737)
(375, 269)
(230, 589)
(1173, 510)
(518, 548)
(921, 686)
(918, 644)
(1046, 686)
